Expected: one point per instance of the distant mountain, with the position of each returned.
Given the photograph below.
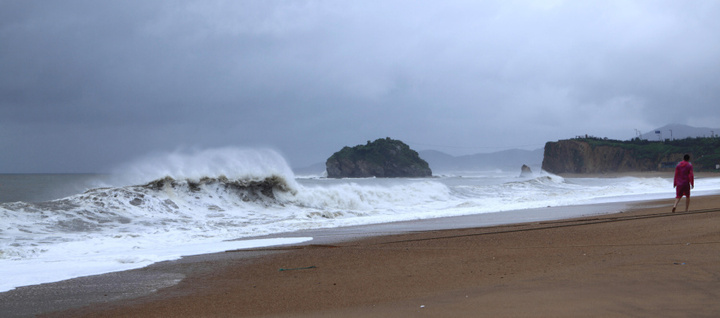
(505, 160)
(677, 131)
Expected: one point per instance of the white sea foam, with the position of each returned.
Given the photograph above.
(199, 202)
(68, 260)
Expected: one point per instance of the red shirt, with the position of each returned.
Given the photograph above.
(684, 174)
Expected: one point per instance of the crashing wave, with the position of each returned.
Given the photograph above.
(246, 189)
(162, 202)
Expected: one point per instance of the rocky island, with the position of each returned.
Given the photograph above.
(382, 158)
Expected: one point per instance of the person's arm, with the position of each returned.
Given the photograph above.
(691, 176)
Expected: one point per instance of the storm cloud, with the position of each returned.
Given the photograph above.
(87, 85)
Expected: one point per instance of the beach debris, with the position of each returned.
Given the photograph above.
(297, 268)
(676, 263)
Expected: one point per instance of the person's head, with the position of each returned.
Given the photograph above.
(686, 157)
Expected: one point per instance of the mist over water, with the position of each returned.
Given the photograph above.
(232, 163)
(168, 205)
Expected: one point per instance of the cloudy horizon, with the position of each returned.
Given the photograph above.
(86, 86)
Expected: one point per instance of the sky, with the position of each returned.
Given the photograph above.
(89, 85)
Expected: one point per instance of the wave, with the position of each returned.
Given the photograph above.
(117, 228)
(177, 197)
(246, 189)
(257, 204)
(230, 162)
(162, 198)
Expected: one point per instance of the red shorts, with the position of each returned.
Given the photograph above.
(682, 189)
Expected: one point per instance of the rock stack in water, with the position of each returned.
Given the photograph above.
(382, 158)
(525, 171)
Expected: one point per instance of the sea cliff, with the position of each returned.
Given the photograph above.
(595, 155)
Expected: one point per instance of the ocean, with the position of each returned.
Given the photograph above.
(57, 227)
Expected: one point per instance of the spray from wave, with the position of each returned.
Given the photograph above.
(227, 163)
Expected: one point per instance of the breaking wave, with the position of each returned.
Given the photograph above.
(229, 163)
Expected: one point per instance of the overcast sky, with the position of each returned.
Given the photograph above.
(88, 85)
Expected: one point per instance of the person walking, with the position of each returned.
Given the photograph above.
(684, 181)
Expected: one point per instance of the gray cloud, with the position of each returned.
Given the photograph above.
(85, 85)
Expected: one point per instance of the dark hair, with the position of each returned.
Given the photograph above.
(686, 157)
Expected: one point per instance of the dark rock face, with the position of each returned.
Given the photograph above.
(382, 158)
(574, 156)
(571, 156)
(595, 155)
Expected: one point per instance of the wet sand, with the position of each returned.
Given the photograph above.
(645, 262)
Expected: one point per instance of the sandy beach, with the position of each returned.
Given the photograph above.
(644, 262)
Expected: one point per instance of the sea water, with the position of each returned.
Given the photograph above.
(169, 205)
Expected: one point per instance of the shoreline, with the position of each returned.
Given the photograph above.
(640, 174)
(190, 280)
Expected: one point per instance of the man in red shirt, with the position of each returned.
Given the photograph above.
(684, 181)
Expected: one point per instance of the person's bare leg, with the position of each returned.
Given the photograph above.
(687, 204)
(677, 200)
